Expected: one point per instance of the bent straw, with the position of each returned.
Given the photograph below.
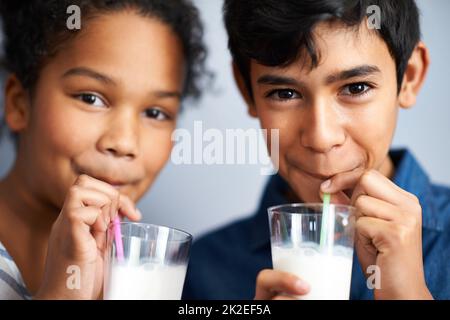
(325, 221)
(118, 239)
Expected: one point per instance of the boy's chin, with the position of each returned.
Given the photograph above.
(308, 194)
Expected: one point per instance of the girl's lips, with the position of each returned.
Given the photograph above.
(115, 178)
(113, 182)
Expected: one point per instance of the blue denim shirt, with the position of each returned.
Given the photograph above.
(224, 263)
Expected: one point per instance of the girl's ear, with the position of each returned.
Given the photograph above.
(414, 76)
(244, 91)
(17, 108)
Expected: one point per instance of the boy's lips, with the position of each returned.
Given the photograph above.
(318, 175)
(324, 177)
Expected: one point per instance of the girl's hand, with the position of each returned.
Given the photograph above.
(78, 239)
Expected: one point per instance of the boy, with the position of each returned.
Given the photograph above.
(332, 83)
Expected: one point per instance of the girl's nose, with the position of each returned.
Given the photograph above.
(121, 137)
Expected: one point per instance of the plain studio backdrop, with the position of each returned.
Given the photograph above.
(198, 198)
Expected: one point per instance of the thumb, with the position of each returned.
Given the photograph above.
(337, 198)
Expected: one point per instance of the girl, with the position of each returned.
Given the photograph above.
(91, 111)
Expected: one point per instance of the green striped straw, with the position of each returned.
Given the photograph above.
(324, 229)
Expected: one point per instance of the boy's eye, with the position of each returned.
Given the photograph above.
(157, 114)
(92, 99)
(356, 89)
(284, 94)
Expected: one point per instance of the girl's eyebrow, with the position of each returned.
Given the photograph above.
(87, 72)
(168, 94)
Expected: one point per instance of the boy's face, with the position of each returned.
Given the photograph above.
(334, 118)
(106, 106)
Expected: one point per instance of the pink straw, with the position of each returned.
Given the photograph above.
(118, 239)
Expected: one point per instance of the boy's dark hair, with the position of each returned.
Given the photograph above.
(276, 32)
(34, 30)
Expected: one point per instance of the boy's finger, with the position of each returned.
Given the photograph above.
(374, 230)
(272, 282)
(376, 185)
(372, 207)
(284, 297)
(342, 181)
(338, 198)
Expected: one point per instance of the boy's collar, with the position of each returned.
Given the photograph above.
(408, 175)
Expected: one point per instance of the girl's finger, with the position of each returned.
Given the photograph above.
(84, 197)
(119, 202)
(128, 209)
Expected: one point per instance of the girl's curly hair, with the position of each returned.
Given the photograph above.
(35, 30)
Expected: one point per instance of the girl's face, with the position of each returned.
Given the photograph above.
(105, 105)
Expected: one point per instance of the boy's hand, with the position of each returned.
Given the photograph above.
(388, 231)
(78, 239)
(279, 285)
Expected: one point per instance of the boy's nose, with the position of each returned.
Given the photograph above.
(121, 137)
(322, 128)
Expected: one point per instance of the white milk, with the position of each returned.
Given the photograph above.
(145, 282)
(329, 276)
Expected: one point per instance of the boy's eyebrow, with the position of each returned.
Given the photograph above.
(359, 71)
(83, 71)
(277, 80)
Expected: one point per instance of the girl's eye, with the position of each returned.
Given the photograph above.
(356, 89)
(157, 114)
(284, 94)
(92, 99)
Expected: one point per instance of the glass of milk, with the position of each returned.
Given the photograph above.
(153, 266)
(295, 241)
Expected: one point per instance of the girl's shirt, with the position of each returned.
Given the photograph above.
(12, 286)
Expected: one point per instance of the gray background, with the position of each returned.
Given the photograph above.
(197, 198)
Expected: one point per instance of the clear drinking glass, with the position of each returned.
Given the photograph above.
(153, 266)
(295, 231)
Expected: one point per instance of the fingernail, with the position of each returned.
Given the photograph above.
(325, 185)
(139, 212)
(301, 286)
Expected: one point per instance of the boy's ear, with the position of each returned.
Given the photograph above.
(244, 91)
(16, 104)
(414, 76)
